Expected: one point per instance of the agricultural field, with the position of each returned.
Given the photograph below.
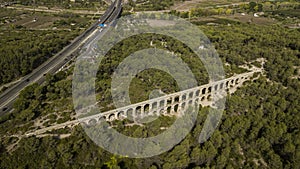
(59, 4)
(258, 128)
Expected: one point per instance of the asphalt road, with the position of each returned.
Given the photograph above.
(8, 97)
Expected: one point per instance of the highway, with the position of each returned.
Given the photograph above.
(52, 65)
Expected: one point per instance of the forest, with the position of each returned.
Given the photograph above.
(23, 51)
(259, 128)
(27, 43)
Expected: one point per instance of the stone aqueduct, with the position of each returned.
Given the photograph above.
(172, 104)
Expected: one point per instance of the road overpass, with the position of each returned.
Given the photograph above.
(8, 97)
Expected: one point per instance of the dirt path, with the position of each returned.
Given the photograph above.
(188, 5)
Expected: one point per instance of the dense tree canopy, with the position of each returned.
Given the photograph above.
(25, 50)
(259, 127)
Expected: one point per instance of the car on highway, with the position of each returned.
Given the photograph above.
(102, 25)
